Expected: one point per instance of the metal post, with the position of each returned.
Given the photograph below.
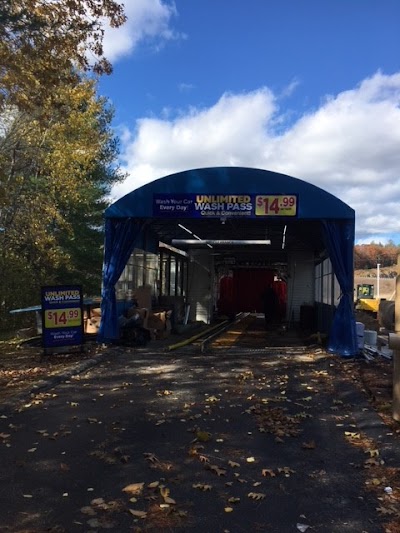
(378, 280)
(396, 351)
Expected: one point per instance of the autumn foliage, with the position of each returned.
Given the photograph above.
(369, 255)
(44, 45)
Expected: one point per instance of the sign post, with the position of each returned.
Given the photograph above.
(62, 316)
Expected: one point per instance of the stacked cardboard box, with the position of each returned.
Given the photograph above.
(158, 323)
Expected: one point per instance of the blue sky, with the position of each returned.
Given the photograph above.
(309, 88)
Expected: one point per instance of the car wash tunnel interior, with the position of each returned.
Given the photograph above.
(207, 242)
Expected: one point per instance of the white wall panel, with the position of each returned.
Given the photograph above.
(300, 283)
(201, 285)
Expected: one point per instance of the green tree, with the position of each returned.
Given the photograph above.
(56, 166)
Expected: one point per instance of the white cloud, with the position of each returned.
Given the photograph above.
(350, 146)
(147, 20)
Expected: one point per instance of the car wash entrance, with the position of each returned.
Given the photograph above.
(243, 291)
(236, 231)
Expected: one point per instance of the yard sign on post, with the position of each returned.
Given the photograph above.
(62, 316)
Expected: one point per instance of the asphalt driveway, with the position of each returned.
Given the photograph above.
(238, 441)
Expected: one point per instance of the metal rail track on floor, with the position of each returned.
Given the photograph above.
(203, 339)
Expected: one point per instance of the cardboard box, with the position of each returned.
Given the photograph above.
(91, 325)
(161, 323)
(143, 296)
(157, 320)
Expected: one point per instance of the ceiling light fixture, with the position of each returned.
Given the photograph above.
(191, 233)
(221, 242)
(284, 237)
(186, 229)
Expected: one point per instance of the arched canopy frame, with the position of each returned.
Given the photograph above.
(241, 203)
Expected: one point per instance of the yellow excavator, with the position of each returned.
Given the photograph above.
(366, 300)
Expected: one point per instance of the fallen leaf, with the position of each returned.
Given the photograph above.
(94, 523)
(212, 399)
(232, 464)
(98, 501)
(164, 491)
(203, 436)
(234, 500)
(385, 510)
(268, 472)
(256, 495)
(217, 470)
(302, 527)
(352, 435)
(286, 471)
(375, 481)
(88, 510)
(373, 462)
(153, 485)
(202, 486)
(164, 506)
(309, 445)
(134, 488)
(151, 457)
(372, 453)
(138, 514)
(250, 460)
(228, 509)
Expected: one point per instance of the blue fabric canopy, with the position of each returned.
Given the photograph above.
(123, 232)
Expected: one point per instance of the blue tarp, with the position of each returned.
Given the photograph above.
(339, 240)
(121, 236)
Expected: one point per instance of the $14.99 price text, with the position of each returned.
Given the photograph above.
(62, 318)
(276, 205)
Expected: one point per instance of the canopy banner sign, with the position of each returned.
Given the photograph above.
(224, 205)
(62, 316)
